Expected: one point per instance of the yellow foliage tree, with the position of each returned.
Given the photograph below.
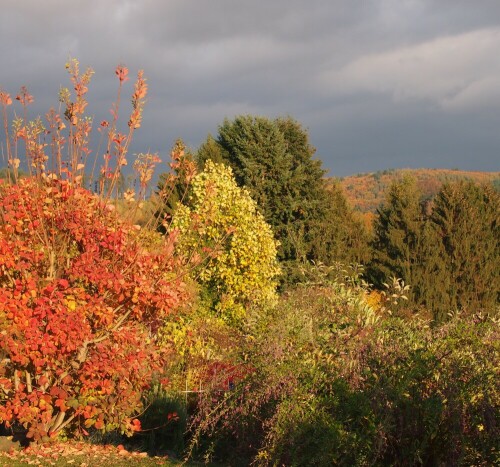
(221, 222)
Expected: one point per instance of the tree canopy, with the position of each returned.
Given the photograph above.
(466, 221)
(397, 233)
(449, 255)
(220, 221)
(274, 160)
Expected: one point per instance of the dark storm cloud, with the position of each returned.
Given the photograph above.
(378, 83)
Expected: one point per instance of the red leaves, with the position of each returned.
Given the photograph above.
(67, 380)
(122, 73)
(172, 417)
(136, 424)
(5, 99)
(79, 293)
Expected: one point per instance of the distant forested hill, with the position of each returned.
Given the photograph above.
(365, 192)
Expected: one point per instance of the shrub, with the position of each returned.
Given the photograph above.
(163, 423)
(334, 382)
(221, 222)
(82, 291)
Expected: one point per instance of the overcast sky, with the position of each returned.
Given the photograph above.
(378, 83)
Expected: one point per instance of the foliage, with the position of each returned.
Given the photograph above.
(82, 291)
(341, 236)
(78, 289)
(7, 174)
(163, 423)
(335, 381)
(496, 184)
(173, 186)
(221, 221)
(398, 234)
(447, 251)
(81, 452)
(204, 352)
(95, 311)
(366, 192)
(210, 150)
(273, 160)
(465, 218)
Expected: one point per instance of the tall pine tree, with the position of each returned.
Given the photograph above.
(340, 236)
(398, 229)
(274, 161)
(466, 220)
(451, 256)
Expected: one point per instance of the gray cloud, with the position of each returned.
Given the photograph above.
(378, 83)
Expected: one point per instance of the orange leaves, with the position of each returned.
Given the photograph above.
(5, 98)
(78, 308)
(136, 424)
(138, 100)
(78, 453)
(24, 97)
(99, 424)
(144, 166)
(141, 88)
(43, 380)
(122, 73)
(81, 290)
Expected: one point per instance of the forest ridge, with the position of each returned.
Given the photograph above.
(366, 192)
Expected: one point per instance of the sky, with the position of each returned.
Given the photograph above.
(378, 84)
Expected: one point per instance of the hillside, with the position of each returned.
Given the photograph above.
(365, 192)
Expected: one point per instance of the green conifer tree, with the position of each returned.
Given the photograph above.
(274, 161)
(466, 220)
(209, 150)
(340, 235)
(397, 242)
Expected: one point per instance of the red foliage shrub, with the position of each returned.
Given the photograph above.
(82, 291)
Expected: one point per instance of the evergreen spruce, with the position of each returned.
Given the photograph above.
(340, 236)
(467, 223)
(398, 228)
(274, 161)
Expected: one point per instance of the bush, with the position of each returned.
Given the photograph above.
(163, 423)
(334, 381)
(82, 291)
(221, 223)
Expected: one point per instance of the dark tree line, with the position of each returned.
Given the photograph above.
(274, 161)
(448, 249)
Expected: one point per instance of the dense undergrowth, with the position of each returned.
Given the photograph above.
(335, 381)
